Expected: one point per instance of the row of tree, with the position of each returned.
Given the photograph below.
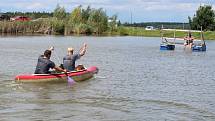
(95, 21)
(79, 21)
(33, 15)
(159, 25)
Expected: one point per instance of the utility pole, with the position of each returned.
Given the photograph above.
(183, 25)
(131, 23)
(131, 17)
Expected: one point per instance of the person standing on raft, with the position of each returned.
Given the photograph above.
(188, 40)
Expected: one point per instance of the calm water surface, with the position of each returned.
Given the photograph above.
(136, 81)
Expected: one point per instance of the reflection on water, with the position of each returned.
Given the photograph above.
(136, 81)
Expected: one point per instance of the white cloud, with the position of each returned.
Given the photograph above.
(150, 8)
(36, 5)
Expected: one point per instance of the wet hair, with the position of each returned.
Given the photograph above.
(47, 53)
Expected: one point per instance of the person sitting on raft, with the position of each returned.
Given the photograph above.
(44, 63)
(188, 40)
(70, 58)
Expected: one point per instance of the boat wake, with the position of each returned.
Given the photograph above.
(100, 77)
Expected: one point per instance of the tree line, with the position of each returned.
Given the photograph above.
(95, 21)
(78, 21)
(159, 25)
(33, 15)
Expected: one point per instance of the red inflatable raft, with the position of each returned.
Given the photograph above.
(75, 75)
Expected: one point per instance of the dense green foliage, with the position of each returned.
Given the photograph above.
(86, 21)
(59, 12)
(204, 17)
(79, 21)
(98, 20)
(40, 26)
(113, 24)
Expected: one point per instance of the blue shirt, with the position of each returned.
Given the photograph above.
(69, 61)
(43, 65)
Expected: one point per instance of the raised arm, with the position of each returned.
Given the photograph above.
(83, 49)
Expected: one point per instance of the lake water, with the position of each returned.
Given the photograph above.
(136, 81)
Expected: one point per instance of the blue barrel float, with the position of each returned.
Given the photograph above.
(167, 46)
(199, 48)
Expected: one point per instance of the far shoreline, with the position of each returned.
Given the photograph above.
(130, 31)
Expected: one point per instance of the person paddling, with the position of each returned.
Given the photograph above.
(70, 58)
(44, 63)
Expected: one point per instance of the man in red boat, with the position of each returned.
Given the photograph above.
(70, 58)
(44, 63)
(188, 40)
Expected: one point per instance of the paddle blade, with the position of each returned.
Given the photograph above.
(70, 81)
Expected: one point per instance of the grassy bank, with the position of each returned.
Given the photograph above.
(136, 31)
(54, 26)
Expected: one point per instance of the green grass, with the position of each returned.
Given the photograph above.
(137, 31)
(58, 27)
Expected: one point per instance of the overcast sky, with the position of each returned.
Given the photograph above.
(142, 10)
